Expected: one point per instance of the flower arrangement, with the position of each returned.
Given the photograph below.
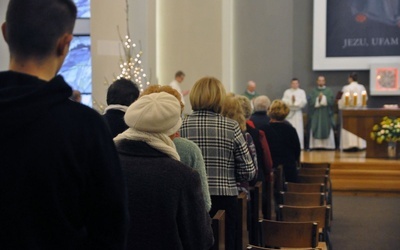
(387, 130)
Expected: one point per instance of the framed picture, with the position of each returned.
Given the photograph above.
(354, 34)
(384, 79)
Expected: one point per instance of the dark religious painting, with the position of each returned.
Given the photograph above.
(362, 28)
(355, 34)
(77, 67)
(83, 8)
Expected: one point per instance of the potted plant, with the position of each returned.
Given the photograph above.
(388, 130)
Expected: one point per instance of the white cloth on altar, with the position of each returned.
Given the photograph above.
(348, 139)
(295, 116)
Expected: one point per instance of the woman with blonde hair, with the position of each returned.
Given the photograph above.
(224, 149)
(233, 109)
(283, 140)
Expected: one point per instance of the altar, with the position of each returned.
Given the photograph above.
(360, 121)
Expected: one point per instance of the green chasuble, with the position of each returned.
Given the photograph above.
(250, 96)
(321, 116)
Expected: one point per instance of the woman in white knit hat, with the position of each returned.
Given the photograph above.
(188, 151)
(166, 203)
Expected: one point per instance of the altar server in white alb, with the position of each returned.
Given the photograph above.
(352, 97)
(175, 84)
(296, 99)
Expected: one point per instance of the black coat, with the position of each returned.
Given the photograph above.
(285, 148)
(61, 184)
(260, 119)
(115, 121)
(166, 202)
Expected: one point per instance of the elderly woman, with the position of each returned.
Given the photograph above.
(188, 151)
(224, 150)
(263, 155)
(260, 117)
(283, 140)
(260, 140)
(166, 204)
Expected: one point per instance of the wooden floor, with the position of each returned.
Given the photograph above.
(352, 173)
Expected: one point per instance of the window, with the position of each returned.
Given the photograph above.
(83, 8)
(77, 67)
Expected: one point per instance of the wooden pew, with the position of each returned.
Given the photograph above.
(242, 239)
(255, 213)
(305, 187)
(289, 234)
(269, 198)
(319, 214)
(303, 178)
(315, 165)
(302, 199)
(321, 165)
(218, 226)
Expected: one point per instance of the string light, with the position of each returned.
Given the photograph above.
(131, 67)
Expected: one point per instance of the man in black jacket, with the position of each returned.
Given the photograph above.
(61, 185)
(120, 95)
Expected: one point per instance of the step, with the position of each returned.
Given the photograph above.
(368, 176)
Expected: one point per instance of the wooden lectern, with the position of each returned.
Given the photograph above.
(360, 122)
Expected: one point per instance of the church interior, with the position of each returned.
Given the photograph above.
(269, 42)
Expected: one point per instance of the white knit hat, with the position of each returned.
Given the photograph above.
(155, 113)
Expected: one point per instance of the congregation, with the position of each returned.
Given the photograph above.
(142, 175)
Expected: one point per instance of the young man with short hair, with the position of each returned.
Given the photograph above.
(61, 184)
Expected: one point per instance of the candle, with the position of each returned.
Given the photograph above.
(364, 98)
(355, 99)
(346, 99)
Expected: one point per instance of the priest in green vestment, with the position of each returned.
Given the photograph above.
(250, 91)
(321, 116)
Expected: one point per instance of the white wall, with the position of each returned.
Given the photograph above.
(189, 38)
(142, 27)
(4, 55)
(106, 46)
(105, 18)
